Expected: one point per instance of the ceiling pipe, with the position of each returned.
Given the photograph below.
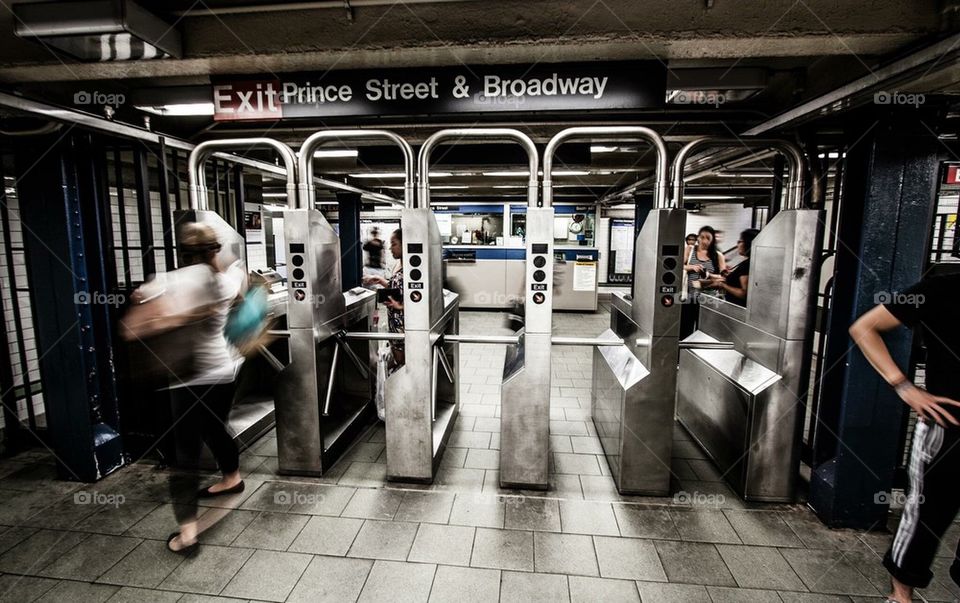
(300, 6)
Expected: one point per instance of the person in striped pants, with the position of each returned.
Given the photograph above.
(932, 502)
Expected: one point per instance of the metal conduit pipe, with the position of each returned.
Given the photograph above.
(296, 6)
(196, 178)
(317, 139)
(423, 167)
(796, 163)
(580, 132)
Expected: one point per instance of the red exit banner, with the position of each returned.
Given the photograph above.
(953, 174)
(246, 100)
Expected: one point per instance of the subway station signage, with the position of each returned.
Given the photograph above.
(488, 88)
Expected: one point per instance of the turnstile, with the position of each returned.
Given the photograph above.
(744, 406)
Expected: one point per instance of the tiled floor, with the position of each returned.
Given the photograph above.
(352, 536)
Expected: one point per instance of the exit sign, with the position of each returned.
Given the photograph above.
(953, 174)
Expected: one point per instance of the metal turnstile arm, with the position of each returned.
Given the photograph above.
(445, 363)
(586, 341)
(706, 345)
(331, 380)
(357, 362)
(270, 358)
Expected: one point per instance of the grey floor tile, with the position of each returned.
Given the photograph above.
(451, 545)
(704, 526)
(487, 424)
(599, 487)
(795, 597)
(469, 439)
(478, 510)
(222, 526)
(759, 567)
(828, 572)
(365, 475)
(364, 452)
(384, 540)
(564, 554)
(17, 589)
(316, 499)
(579, 464)
(331, 580)
(628, 558)
(585, 445)
(327, 536)
(589, 590)
(565, 486)
(10, 537)
(815, 535)
(273, 531)
(588, 517)
(524, 513)
(157, 524)
(705, 470)
(482, 459)
(465, 584)
(569, 428)
(460, 481)
(68, 591)
(762, 528)
(560, 443)
(503, 549)
(644, 521)
(398, 582)
(38, 551)
(268, 576)
(208, 572)
(523, 586)
(721, 594)
(269, 496)
(145, 566)
(90, 558)
(694, 563)
(130, 594)
(63, 515)
(432, 507)
(454, 457)
(661, 592)
(373, 504)
(116, 519)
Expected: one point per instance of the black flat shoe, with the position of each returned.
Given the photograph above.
(187, 551)
(206, 493)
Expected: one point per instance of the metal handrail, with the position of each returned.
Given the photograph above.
(660, 176)
(197, 180)
(793, 154)
(423, 162)
(317, 139)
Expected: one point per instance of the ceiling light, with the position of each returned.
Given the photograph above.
(179, 109)
(571, 173)
(507, 173)
(274, 195)
(433, 187)
(743, 174)
(384, 175)
(603, 149)
(98, 30)
(334, 153)
(691, 197)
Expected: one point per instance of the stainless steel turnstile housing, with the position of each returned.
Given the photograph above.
(634, 384)
(745, 406)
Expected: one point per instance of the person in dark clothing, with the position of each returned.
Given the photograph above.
(734, 282)
(932, 502)
(374, 249)
(700, 262)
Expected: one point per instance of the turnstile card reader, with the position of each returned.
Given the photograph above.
(322, 403)
(634, 384)
(525, 406)
(422, 401)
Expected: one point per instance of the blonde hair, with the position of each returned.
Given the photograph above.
(198, 243)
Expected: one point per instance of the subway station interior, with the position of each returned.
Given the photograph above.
(479, 300)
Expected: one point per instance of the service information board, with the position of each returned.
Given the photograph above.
(487, 88)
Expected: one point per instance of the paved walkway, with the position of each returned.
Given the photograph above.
(351, 535)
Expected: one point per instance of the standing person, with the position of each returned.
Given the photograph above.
(700, 261)
(202, 404)
(374, 249)
(734, 283)
(394, 306)
(933, 502)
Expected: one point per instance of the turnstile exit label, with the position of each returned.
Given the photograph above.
(668, 289)
(538, 287)
(415, 286)
(298, 284)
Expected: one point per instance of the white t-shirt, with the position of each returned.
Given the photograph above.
(218, 361)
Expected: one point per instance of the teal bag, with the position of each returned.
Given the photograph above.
(246, 319)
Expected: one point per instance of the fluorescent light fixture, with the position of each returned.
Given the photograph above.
(385, 175)
(571, 172)
(603, 149)
(274, 195)
(695, 197)
(744, 174)
(179, 109)
(433, 187)
(334, 153)
(831, 155)
(507, 173)
(510, 186)
(274, 206)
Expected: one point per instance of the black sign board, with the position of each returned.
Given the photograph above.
(486, 88)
